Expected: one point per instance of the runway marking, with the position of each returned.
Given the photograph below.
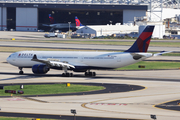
(107, 104)
(14, 99)
(84, 105)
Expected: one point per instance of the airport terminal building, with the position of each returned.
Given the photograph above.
(29, 15)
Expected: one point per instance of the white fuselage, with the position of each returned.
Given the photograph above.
(97, 60)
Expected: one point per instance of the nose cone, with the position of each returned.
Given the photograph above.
(11, 58)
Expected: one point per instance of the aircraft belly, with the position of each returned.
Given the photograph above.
(101, 63)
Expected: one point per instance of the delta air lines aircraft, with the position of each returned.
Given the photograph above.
(42, 61)
(54, 25)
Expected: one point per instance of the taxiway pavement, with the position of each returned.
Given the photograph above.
(160, 86)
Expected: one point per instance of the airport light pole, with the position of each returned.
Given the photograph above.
(69, 28)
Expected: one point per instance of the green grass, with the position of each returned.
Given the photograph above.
(22, 118)
(152, 65)
(119, 42)
(49, 89)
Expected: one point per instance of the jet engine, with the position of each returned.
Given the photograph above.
(40, 69)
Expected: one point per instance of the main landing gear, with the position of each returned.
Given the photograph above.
(90, 73)
(66, 74)
(21, 72)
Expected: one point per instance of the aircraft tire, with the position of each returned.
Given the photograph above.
(63, 74)
(71, 74)
(94, 74)
(90, 74)
(67, 75)
(21, 72)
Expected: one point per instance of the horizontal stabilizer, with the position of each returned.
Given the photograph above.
(163, 52)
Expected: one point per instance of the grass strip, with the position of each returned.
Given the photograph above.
(49, 89)
(129, 43)
(149, 65)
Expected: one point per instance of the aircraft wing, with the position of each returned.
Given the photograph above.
(163, 52)
(52, 62)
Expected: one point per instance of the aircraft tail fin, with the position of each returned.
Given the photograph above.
(51, 19)
(78, 23)
(143, 41)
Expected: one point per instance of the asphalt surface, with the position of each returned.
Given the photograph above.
(64, 117)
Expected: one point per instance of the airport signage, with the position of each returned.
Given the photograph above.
(11, 91)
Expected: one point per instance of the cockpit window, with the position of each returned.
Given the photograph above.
(10, 56)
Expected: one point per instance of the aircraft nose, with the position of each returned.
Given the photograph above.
(8, 60)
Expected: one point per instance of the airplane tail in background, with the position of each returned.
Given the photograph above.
(51, 19)
(143, 41)
(78, 23)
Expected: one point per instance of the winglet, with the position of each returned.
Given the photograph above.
(143, 41)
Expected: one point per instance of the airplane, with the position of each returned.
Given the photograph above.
(42, 61)
(54, 25)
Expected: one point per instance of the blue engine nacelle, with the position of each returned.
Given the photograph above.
(40, 69)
